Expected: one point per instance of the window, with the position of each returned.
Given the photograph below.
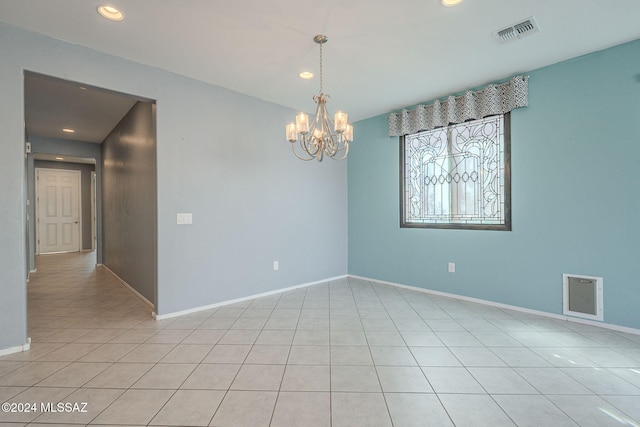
(457, 176)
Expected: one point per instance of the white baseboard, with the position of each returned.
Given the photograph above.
(610, 326)
(16, 349)
(237, 300)
(128, 286)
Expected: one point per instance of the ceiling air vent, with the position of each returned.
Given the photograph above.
(517, 31)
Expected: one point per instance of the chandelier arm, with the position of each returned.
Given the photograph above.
(330, 147)
(344, 146)
(344, 156)
(338, 146)
(320, 111)
(293, 148)
(335, 142)
(331, 123)
(310, 146)
(330, 127)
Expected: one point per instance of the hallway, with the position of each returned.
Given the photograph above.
(70, 296)
(346, 353)
(75, 310)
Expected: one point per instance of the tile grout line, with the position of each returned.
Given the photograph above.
(375, 366)
(286, 364)
(437, 395)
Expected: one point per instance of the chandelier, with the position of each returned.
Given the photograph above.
(324, 136)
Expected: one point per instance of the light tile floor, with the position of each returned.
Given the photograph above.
(345, 353)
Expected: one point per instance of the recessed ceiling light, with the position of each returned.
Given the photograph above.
(59, 158)
(306, 75)
(110, 12)
(68, 130)
(449, 3)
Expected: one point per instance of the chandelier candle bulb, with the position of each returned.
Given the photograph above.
(348, 133)
(340, 121)
(302, 123)
(292, 135)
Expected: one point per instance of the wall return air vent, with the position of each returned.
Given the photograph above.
(517, 31)
(582, 296)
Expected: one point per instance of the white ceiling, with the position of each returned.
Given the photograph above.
(53, 104)
(381, 56)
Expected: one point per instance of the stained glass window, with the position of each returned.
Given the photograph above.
(458, 176)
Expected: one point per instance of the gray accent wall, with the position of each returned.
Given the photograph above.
(221, 156)
(130, 209)
(85, 190)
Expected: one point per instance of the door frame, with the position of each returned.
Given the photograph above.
(94, 211)
(37, 206)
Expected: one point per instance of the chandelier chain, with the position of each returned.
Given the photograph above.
(321, 67)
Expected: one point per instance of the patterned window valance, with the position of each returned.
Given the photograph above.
(492, 99)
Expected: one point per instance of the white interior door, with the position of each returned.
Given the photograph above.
(58, 209)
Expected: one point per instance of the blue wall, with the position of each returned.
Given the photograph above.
(575, 198)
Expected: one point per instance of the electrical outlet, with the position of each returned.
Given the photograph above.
(276, 265)
(452, 267)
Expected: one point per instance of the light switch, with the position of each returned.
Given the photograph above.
(184, 218)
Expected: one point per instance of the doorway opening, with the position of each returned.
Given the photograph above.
(87, 184)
